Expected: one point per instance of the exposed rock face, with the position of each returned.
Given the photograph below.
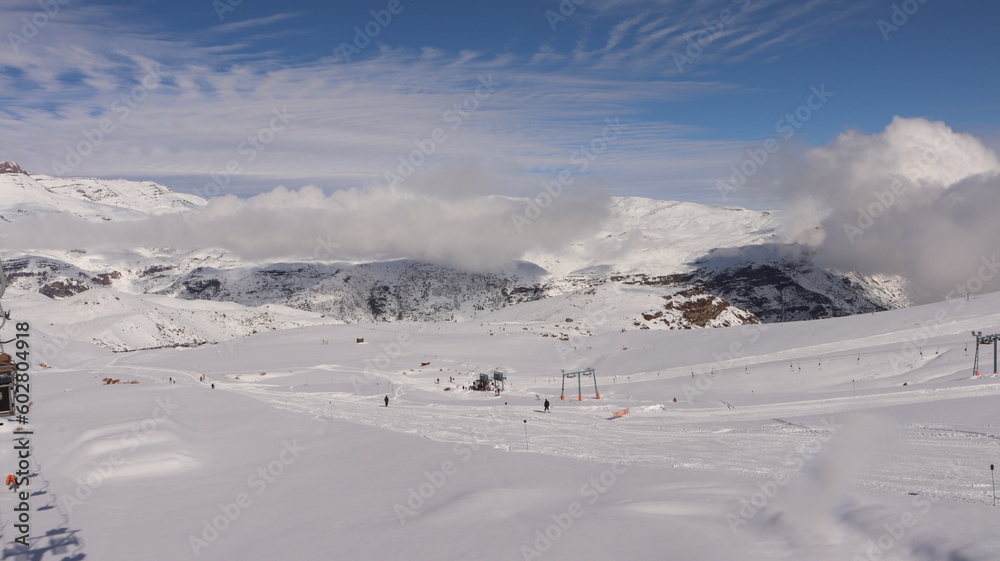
(11, 167)
(671, 265)
(777, 288)
(63, 289)
(711, 296)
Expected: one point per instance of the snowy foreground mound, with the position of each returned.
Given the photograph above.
(864, 437)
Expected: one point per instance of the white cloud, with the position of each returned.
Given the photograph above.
(648, 33)
(352, 121)
(917, 199)
(442, 218)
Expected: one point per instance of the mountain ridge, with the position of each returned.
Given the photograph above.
(671, 265)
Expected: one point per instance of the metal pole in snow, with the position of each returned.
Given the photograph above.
(526, 436)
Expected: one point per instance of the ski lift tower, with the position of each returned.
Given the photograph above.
(579, 382)
(985, 340)
(8, 370)
(499, 379)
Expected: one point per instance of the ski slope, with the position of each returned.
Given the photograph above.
(864, 437)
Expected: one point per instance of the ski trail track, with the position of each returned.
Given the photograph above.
(811, 377)
(754, 441)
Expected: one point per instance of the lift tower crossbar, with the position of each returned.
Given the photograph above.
(985, 340)
(579, 382)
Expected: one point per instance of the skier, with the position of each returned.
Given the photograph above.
(213, 386)
(546, 404)
(386, 401)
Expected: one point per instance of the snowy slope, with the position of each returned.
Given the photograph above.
(122, 322)
(23, 194)
(621, 306)
(146, 197)
(726, 257)
(293, 456)
(659, 237)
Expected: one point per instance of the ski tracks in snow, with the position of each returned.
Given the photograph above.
(755, 441)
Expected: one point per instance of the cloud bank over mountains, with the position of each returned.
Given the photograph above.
(446, 218)
(916, 199)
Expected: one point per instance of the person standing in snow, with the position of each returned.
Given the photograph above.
(386, 401)
(546, 406)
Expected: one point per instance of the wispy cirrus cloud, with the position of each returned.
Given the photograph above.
(646, 34)
(349, 122)
(255, 22)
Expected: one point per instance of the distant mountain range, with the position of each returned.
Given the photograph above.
(653, 265)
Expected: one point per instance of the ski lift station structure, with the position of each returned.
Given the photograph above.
(985, 340)
(579, 382)
(495, 381)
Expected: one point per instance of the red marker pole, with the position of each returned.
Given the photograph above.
(994, 479)
(526, 437)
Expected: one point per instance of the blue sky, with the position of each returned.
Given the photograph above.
(231, 97)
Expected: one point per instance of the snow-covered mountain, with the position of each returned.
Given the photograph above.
(122, 322)
(23, 194)
(672, 265)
